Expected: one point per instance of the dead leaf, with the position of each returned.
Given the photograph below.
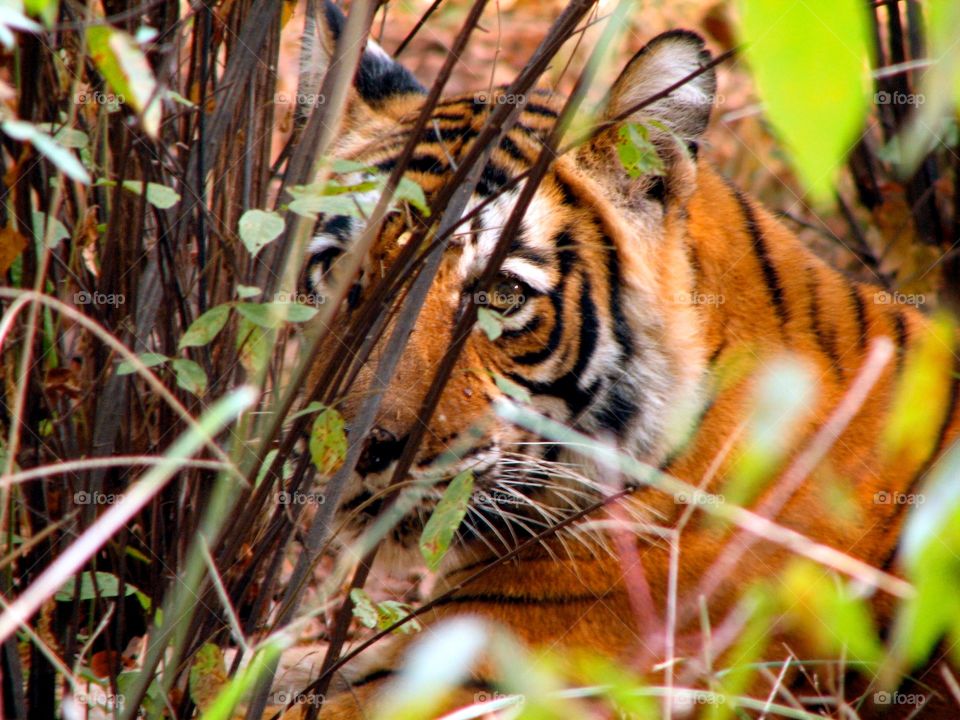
(12, 243)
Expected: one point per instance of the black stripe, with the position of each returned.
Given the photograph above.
(537, 109)
(589, 329)
(530, 327)
(492, 179)
(863, 326)
(618, 411)
(372, 677)
(556, 295)
(825, 336)
(426, 164)
(569, 198)
(511, 149)
(903, 337)
(621, 328)
(759, 244)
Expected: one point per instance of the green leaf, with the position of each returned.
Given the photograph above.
(391, 611)
(446, 518)
(68, 137)
(255, 345)
(267, 462)
(410, 191)
(382, 615)
(46, 10)
(511, 389)
(310, 201)
(190, 376)
(930, 554)
(342, 167)
(328, 441)
(157, 195)
(363, 608)
(205, 328)
(636, 151)
(107, 584)
(783, 398)
(490, 322)
(247, 291)
(829, 613)
(58, 234)
(810, 62)
(912, 431)
(274, 314)
(149, 359)
(63, 159)
(258, 228)
(314, 407)
(125, 68)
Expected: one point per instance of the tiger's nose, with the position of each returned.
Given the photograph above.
(382, 448)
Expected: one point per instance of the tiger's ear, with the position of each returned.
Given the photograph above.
(673, 124)
(379, 77)
(663, 62)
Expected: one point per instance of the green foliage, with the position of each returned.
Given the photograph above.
(258, 228)
(809, 60)
(157, 195)
(328, 441)
(637, 152)
(92, 584)
(930, 554)
(782, 399)
(127, 71)
(205, 328)
(383, 614)
(61, 157)
(927, 373)
(511, 389)
(356, 199)
(490, 321)
(445, 519)
(830, 613)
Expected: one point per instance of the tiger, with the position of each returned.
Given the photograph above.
(610, 341)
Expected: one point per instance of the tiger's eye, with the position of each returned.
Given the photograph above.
(507, 294)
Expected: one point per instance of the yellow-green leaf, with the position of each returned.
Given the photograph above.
(810, 62)
(125, 67)
(328, 441)
(446, 518)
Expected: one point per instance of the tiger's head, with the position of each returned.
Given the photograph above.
(585, 301)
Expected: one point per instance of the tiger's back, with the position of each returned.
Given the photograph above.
(652, 302)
